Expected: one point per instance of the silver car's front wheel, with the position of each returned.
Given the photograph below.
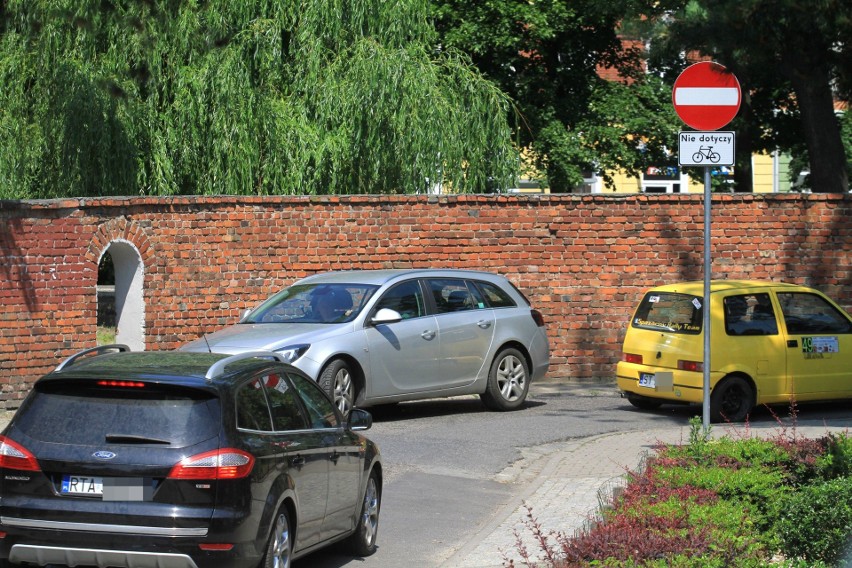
(338, 381)
(279, 549)
(508, 381)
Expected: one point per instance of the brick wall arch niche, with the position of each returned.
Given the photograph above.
(129, 297)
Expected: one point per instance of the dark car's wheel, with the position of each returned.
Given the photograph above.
(338, 381)
(643, 402)
(280, 547)
(363, 540)
(731, 400)
(508, 381)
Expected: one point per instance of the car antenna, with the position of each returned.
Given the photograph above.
(207, 342)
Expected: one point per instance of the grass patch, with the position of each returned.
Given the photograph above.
(106, 335)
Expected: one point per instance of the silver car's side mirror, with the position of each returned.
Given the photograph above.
(245, 314)
(386, 315)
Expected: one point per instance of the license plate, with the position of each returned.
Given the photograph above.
(82, 485)
(108, 488)
(647, 380)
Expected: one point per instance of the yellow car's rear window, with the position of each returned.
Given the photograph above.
(667, 311)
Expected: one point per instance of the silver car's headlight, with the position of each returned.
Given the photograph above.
(293, 352)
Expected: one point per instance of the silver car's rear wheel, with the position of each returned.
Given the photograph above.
(280, 547)
(338, 381)
(508, 381)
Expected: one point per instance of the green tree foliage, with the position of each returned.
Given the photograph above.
(792, 59)
(547, 56)
(159, 97)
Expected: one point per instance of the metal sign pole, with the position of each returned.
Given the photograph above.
(706, 96)
(706, 307)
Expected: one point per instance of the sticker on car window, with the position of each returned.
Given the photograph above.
(653, 299)
(697, 303)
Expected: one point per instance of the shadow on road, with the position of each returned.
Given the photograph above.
(426, 409)
(763, 415)
(436, 408)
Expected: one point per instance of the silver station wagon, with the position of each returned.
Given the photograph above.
(383, 336)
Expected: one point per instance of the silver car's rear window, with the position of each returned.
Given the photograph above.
(667, 311)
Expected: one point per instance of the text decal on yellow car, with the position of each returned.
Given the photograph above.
(817, 347)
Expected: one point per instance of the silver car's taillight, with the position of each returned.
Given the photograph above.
(537, 318)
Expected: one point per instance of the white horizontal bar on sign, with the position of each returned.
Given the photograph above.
(707, 96)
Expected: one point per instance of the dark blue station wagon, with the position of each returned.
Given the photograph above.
(183, 460)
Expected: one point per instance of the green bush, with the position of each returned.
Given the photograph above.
(815, 522)
(837, 461)
(754, 489)
(745, 502)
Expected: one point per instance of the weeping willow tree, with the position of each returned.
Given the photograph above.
(112, 97)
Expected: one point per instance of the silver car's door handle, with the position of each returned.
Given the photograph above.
(484, 324)
(428, 334)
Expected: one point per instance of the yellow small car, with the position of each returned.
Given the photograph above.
(771, 343)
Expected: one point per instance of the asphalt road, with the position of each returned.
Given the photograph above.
(451, 465)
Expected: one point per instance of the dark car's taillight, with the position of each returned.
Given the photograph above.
(227, 463)
(537, 318)
(15, 456)
(121, 384)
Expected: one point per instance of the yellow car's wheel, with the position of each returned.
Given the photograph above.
(731, 400)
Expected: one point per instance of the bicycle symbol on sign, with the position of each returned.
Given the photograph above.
(706, 152)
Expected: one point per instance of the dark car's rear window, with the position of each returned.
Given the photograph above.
(79, 412)
(667, 311)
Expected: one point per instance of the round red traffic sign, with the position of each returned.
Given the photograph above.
(706, 96)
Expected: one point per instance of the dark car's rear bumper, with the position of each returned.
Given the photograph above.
(42, 543)
(43, 555)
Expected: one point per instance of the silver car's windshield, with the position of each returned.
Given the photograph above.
(313, 303)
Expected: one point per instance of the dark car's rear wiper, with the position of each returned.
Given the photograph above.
(134, 439)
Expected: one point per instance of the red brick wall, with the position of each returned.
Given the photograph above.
(582, 260)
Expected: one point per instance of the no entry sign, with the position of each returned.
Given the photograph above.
(706, 96)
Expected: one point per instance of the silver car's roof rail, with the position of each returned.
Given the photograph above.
(217, 369)
(100, 349)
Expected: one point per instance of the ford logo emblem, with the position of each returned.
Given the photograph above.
(103, 455)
